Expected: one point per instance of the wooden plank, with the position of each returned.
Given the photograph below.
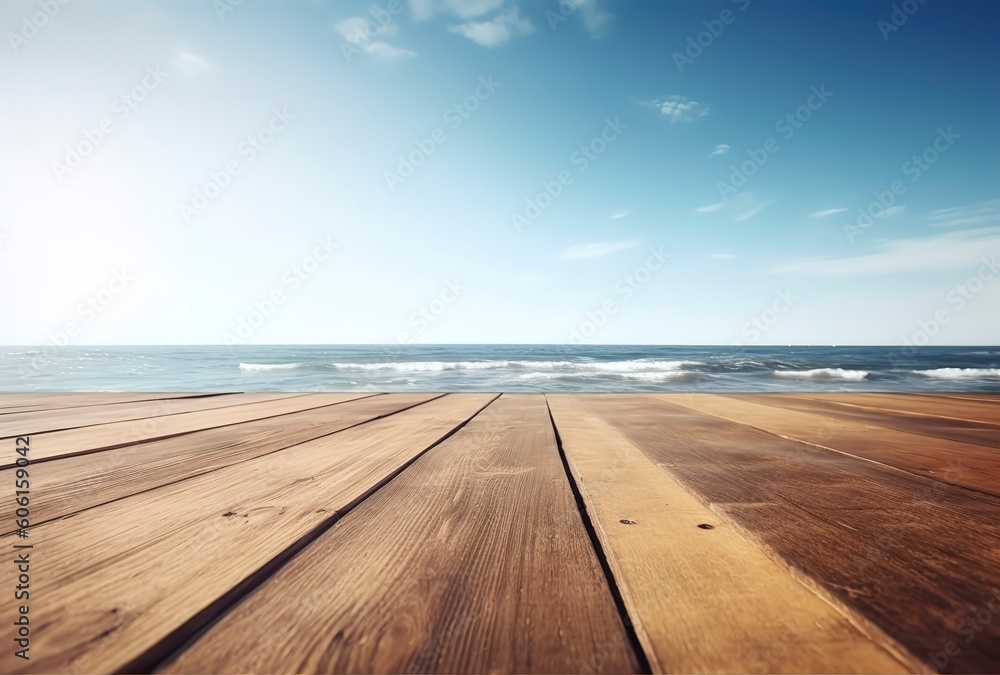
(963, 431)
(964, 464)
(126, 580)
(473, 560)
(701, 600)
(914, 557)
(976, 410)
(41, 421)
(60, 444)
(10, 403)
(72, 484)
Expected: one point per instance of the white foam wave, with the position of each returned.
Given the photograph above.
(269, 366)
(825, 373)
(638, 365)
(959, 373)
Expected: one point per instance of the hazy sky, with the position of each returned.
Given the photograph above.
(190, 171)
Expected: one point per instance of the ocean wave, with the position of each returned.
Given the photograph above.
(269, 366)
(636, 365)
(959, 373)
(656, 376)
(825, 374)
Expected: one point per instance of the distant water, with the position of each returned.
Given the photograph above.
(499, 368)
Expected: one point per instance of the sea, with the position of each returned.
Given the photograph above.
(513, 368)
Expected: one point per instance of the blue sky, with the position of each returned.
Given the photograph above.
(246, 175)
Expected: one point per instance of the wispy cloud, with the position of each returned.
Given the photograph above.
(679, 108)
(975, 214)
(750, 213)
(583, 251)
(891, 211)
(463, 9)
(709, 208)
(949, 251)
(497, 31)
(353, 32)
(720, 149)
(828, 212)
(721, 256)
(621, 214)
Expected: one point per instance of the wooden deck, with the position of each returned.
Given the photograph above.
(473, 533)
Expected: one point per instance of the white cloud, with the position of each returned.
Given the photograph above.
(621, 214)
(828, 212)
(463, 9)
(594, 18)
(380, 48)
(353, 32)
(891, 211)
(721, 256)
(497, 31)
(709, 208)
(680, 109)
(975, 214)
(583, 251)
(747, 215)
(950, 251)
(720, 149)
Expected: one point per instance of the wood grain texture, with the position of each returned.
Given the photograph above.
(963, 431)
(128, 578)
(69, 485)
(701, 600)
(964, 464)
(474, 559)
(962, 408)
(912, 557)
(32, 401)
(41, 421)
(59, 444)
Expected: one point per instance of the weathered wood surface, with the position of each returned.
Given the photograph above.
(967, 464)
(702, 600)
(909, 556)
(87, 439)
(72, 484)
(40, 421)
(125, 580)
(27, 402)
(441, 533)
(961, 430)
(474, 560)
